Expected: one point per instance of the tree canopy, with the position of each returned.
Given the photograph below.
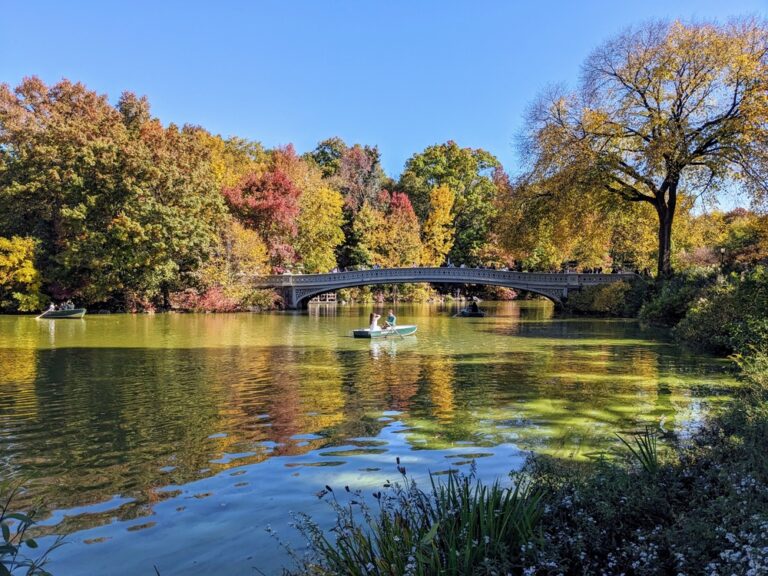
(104, 204)
(468, 174)
(662, 109)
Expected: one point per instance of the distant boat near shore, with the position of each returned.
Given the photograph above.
(74, 313)
(469, 313)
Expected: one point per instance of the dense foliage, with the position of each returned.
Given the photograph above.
(622, 299)
(729, 315)
(19, 278)
(105, 205)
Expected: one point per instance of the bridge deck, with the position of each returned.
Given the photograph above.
(299, 287)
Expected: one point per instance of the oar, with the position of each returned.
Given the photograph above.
(392, 329)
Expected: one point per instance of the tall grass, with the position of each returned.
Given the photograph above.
(644, 450)
(458, 526)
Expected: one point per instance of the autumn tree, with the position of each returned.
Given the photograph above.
(389, 236)
(177, 207)
(319, 228)
(360, 177)
(20, 281)
(366, 237)
(320, 218)
(401, 243)
(122, 206)
(744, 240)
(355, 171)
(661, 109)
(437, 231)
(269, 204)
(233, 158)
(468, 173)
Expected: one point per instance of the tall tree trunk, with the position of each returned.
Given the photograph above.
(665, 208)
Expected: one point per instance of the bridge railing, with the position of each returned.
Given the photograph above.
(436, 275)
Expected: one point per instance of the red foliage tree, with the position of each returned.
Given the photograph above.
(401, 207)
(269, 204)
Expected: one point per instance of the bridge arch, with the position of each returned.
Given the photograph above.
(298, 289)
(304, 295)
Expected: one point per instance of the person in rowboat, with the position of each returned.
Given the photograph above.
(391, 319)
(374, 320)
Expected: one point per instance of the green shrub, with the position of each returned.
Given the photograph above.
(669, 300)
(260, 299)
(701, 510)
(731, 316)
(614, 299)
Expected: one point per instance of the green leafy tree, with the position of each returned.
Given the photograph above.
(328, 154)
(124, 208)
(468, 173)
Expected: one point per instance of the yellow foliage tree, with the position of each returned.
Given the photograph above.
(662, 109)
(19, 279)
(232, 158)
(320, 233)
(248, 252)
(437, 232)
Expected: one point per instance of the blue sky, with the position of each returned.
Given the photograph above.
(400, 74)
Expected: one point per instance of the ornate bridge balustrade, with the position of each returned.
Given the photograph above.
(297, 289)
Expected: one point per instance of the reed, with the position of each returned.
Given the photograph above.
(457, 526)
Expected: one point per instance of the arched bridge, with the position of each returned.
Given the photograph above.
(297, 289)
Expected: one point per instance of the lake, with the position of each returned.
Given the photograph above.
(175, 440)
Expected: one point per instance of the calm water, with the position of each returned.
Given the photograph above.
(174, 440)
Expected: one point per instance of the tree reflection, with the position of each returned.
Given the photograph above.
(109, 413)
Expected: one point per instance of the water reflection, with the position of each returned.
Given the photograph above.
(129, 417)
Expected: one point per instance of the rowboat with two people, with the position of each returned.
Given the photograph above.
(471, 311)
(65, 311)
(391, 328)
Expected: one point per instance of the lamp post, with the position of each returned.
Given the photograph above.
(722, 258)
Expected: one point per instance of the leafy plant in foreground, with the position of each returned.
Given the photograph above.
(16, 542)
(643, 448)
(459, 526)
